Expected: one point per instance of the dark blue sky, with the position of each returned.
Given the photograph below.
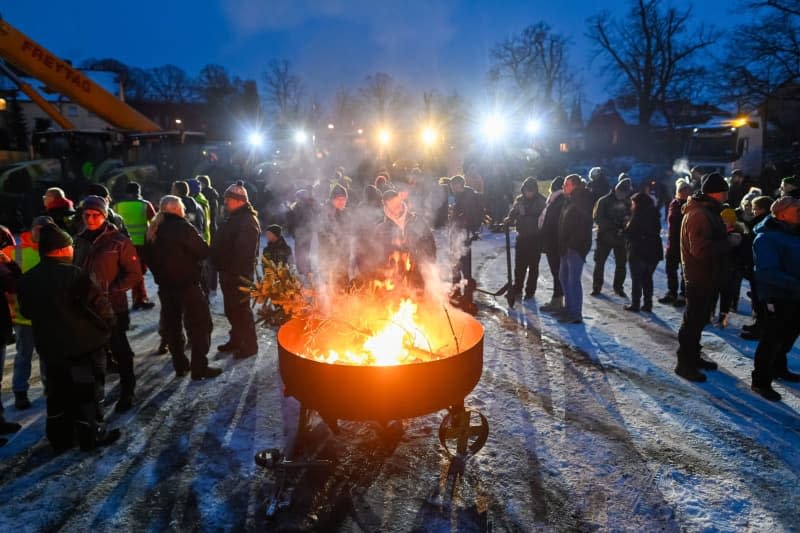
(331, 43)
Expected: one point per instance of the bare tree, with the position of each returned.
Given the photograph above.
(650, 53)
(170, 84)
(536, 63)
(214, 85)
(345, 109)
(762, 55)
(382, 97)
(284, 90)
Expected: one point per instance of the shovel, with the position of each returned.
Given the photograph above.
(506, 289)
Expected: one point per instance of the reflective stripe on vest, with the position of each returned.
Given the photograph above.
(134, 213)
(26, 257)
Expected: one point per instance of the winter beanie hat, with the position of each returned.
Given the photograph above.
(275, 229)
(97, 189)
(133, 188)
(557, 184)
(783, 203)
(338, 191)
(751, 195)
(713, 182)
(194, 186)
(237, 192)
(530, 184)
(624, 186)
(51, 238)
(95, 203)
(622, 176)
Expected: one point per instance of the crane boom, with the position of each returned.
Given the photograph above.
(29, 56)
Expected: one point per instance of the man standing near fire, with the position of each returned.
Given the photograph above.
(464, 222)
(233, 253)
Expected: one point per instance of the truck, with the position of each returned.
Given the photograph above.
(723, 145)
(136, 149)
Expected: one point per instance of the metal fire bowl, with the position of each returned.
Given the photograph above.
(381, 393)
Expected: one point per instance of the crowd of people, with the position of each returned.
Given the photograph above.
(719, 233)
(67, 277)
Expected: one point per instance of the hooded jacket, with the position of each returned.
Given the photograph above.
(776, 256)
(704, 240)
(611, 214)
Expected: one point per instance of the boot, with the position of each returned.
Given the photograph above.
(207, 373)
(667, 299)
(556, 305)
(21, 400)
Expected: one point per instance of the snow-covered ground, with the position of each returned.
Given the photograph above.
(590, 429)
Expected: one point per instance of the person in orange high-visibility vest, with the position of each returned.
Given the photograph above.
(137, 214)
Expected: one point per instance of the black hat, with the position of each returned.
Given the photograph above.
(275, 229)
(713, 182)
(51, 238)
(530, 184)
(133, 188)
(97, 189)
(624, 186)
(557, 184)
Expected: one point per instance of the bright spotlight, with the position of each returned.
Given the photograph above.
(255, 139)
(330, 126)
(494, 128)
(533, 126)
(384, 137)
(300, 137)
(429, 136)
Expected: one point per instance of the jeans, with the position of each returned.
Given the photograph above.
(570, 274)
(24, 358)
(554, 262)
(642, 281)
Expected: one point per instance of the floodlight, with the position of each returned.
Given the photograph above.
(300, 137)
(429, 136)
(384, 136)
(255, 139)
(533, 126)
(494, 128)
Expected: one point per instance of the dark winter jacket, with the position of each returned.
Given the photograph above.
(175, 255)
(70, 314)
(549, 230)
(279, 252)
(467, 213)
(111, 260)
(611, 214)
(575, 223)
(643, 233)
(674, 218)
(776, 255)
(9, 276)
(234, 248)
(704, 241)
(524, 214)
(194, 213)
(301, 219)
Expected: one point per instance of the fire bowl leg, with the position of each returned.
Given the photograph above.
(463, 432)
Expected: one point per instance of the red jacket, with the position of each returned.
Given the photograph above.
(111, 261)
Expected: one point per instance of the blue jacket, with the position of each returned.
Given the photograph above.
(776, 254)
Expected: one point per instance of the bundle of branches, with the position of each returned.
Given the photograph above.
(279, 295)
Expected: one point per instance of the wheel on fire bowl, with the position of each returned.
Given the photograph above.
(463, 432)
